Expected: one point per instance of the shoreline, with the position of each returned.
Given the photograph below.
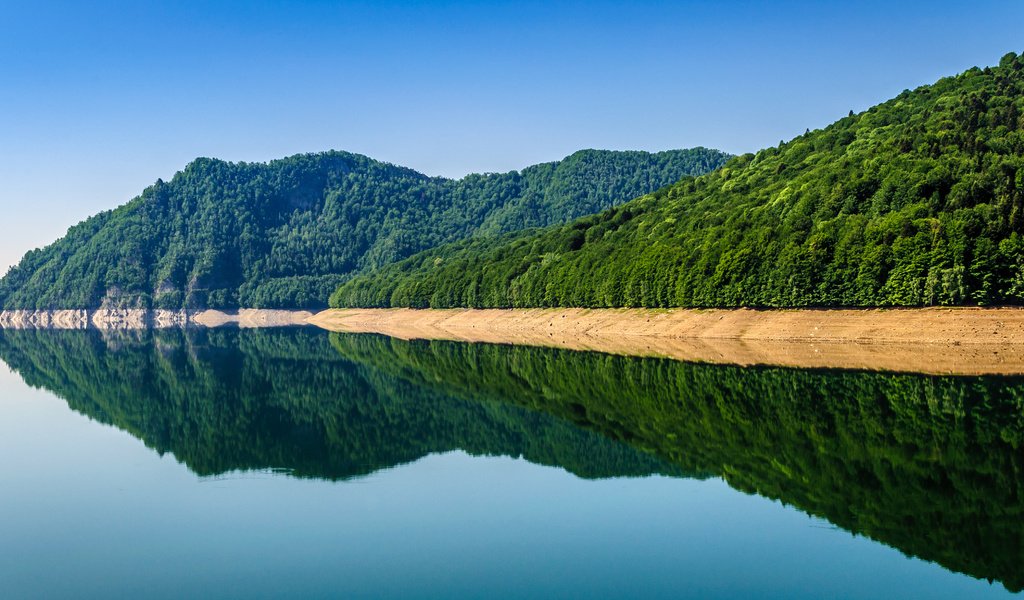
(940, 341)
(948, 341)
(137, 318)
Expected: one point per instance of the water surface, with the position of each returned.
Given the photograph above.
(257, 463)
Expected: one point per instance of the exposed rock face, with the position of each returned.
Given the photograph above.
(44, 319)
(170, 318)
(120, 318)
(69, 319)
(138, 318)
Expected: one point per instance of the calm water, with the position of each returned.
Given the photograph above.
(293, 463)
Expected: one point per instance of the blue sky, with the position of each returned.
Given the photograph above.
(99, 99)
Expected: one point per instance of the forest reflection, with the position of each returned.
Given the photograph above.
(929, 465)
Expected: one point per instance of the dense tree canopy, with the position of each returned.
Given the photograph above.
(288, 232)
(917, 201)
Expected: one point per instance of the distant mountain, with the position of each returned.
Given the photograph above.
(917, 201)
(288, 232)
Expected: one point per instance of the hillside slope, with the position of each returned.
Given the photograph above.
(916, 201)
(285, 234)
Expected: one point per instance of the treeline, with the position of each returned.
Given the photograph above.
(286, 234)
(917, 201)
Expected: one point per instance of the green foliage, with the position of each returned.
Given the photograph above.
(918, 201)
(287, 233)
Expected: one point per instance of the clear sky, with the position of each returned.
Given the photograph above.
(99, 99)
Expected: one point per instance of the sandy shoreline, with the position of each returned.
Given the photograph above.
(962, 341)
(966, 341)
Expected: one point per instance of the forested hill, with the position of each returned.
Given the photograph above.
(287, 233)
(916, 201)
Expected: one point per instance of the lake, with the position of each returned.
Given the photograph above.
(297, 463)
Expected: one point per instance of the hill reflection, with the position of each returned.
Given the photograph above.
(932, 466)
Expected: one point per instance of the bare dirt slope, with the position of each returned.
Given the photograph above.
(971, 341)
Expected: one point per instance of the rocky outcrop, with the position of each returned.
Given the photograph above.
(69, 319)
(121, 318)
(163, 319)
(138, 318)
(44, 319)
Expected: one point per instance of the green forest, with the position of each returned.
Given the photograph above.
(933, 466)
(286, 234)
(917, 201)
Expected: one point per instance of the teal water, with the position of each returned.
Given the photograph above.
(294, 463)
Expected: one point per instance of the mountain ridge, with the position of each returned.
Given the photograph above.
(916, 201)
(285, 233)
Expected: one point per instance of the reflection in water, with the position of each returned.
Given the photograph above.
(228, 399)
(930, 465)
